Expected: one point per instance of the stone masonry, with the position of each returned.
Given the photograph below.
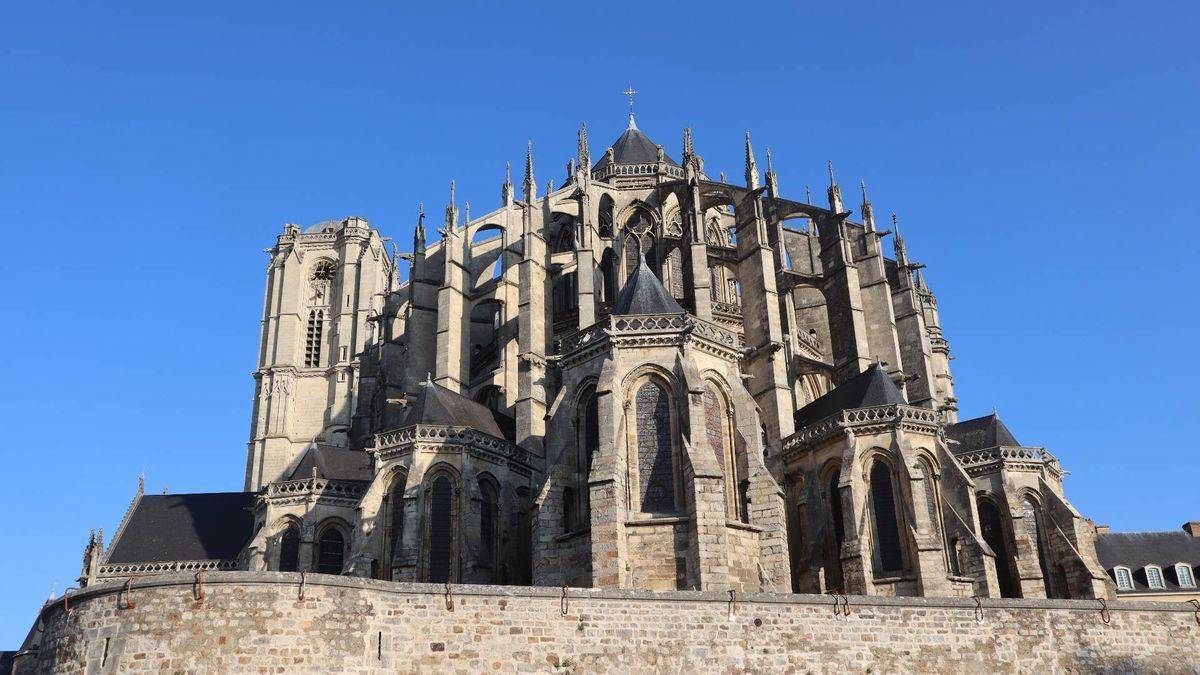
(272, 622)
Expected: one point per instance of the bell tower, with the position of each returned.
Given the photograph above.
(324, 286)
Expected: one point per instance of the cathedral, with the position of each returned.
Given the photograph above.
(646, 377)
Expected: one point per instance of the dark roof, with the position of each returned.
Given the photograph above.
(644, 294)
(871, 387)
(980, 433)
(333, 463)
(1135, 550)
(210, 526)
(632, 147)
(438, 405)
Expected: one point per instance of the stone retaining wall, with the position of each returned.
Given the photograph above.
(257, 622)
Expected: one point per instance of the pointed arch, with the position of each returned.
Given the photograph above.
(836, 526)
(653, 436)
(991, 528)
(1034, 531)
(718, 429)
(333, 542)
(605, 219)
(289, 548)
(393, 529)
(888, 551)
(440, 532)
(489, 525)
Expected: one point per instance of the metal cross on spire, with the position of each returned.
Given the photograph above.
(631, 92)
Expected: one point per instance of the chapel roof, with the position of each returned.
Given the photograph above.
(980, 433)
(869, 388)
(203, 526)
(633, 147)
(440, 406)
(333, 463)
(645, 294)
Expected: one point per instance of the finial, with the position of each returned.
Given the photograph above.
(896, 224)
(508, 173)
(832, 180)
(868, 214)
(467, 214)
(770, 166)
(751, 165)
(452, 193)
(688, 149)
(428, 379)
(530, 185)
(807, 194)
(863, 183)
(584, 151)
(631, 92)
(723, 180)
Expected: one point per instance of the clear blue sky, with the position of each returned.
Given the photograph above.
(1042, 156)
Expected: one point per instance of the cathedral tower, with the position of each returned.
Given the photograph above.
(324, 288)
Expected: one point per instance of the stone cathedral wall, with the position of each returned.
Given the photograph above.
(257, 621)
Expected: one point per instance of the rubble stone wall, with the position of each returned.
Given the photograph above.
(257, 621)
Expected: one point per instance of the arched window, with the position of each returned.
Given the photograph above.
(289, 550)
(992, 529)
(833, 567)
(655, 461)
(1183, 574)
(889, 558)
(675, 272)
(312, 339)
(489, 526)
(1154, 577)
(587, 426)
(717, 431)
(1124, 579)
(394, 529)
(441, 519)
(608, 271)
(1032, 526)
(631, 255)
(606, 216)
(331, 551)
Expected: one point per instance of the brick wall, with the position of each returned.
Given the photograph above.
(251, 621)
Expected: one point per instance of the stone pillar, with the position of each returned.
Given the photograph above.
(765, 358)
(453, 317)
(607, 484)
(843, 294)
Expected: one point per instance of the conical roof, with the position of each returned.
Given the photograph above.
(633, 147)
(644, 294)
(437, 405)
(979, 433)
(869, 388)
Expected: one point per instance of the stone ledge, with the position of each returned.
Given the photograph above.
(113, 587)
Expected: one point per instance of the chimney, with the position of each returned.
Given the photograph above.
(1103, 529)
(1192, 528)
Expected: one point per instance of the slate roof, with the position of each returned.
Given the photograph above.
(869, 388)
(333, 463)
(1135, 550)
(438, 405)
(644, 294)
(980, 433)
(206, 526)
(632, 147)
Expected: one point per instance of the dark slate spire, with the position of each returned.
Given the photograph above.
(869, 388)
(645, 294)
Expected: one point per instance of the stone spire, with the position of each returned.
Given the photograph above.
(529, 189)
(751, 165)
(772, 178)
(419, 230)
(868, 216)
(898, 243)
(451, 212)
(506, 191)
(584, 152)
(834, 192)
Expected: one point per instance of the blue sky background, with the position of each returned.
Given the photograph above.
(1042, 156)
